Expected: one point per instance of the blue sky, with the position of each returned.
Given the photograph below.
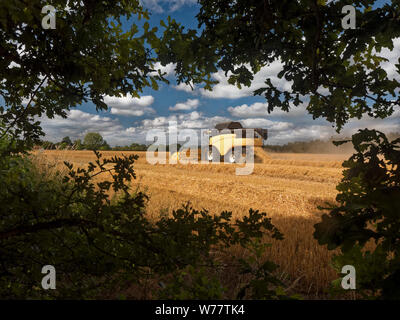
(129, 119)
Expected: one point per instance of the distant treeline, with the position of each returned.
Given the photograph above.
(78, 145)
(94, 141)
(319, 146)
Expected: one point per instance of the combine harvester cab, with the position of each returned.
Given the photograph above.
(228, 143)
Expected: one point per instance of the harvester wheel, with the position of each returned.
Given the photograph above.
(236, 155)
(213, 154)
(232, 157)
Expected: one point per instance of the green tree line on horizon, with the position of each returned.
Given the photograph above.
(311, 146)
(91, 141)
(94, 141)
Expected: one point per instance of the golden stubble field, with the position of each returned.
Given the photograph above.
(289, 187)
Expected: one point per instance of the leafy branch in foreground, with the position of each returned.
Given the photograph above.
(100, 244)
(337, 74)
(368, 215)
(87, 57)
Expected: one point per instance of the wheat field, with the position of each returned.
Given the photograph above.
(288, 187)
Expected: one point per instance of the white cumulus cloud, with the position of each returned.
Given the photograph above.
(160, 6)
(168, 69)
(185, 87)
(393, 57)
(190, 104)
(78, 123)
(130, 106)
(260, 109)
(192, 120)
(225, 90)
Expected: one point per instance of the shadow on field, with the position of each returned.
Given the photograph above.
(304, 265)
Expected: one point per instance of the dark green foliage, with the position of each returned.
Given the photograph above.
(63, 146)
(84, 58)
(67, 141)
(47, 145)
(77, 145)
(48, 221)
(87, 57)
(104, 146)
(368, 210)
(263, 284)
(339, 75)
(96, 143)
(196, 283)
(95, 243)
(93, 141)
(191, 283)
(132, 147)
(240, 37)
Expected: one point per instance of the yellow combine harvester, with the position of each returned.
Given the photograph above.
(228, 143)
